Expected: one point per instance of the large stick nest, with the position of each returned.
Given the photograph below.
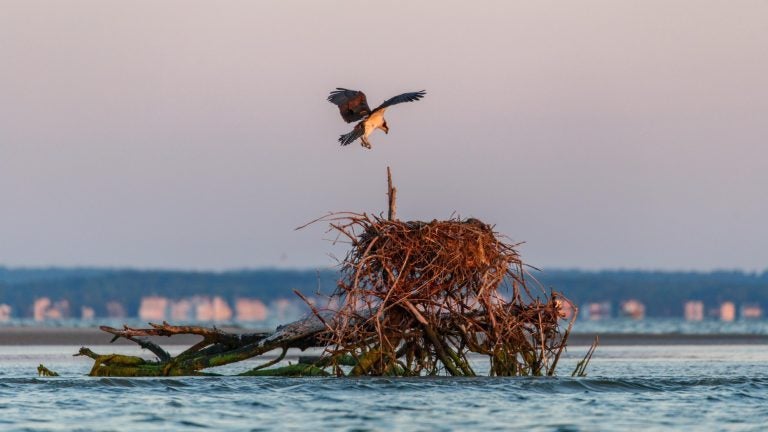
(418, 297)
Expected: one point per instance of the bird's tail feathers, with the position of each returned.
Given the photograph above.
(349, 138)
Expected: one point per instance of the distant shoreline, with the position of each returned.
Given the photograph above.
(624, 339)
(20, 336)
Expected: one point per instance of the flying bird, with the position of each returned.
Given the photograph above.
(353, 107)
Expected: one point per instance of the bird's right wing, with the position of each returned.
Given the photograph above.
(405, 97)
(352, 104)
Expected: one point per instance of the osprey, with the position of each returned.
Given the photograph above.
(353, 106)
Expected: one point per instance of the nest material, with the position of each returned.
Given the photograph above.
(414, 298)
(418, 297)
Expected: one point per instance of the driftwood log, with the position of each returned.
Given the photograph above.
(217, 348)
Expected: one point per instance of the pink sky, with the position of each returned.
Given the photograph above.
(193, 134)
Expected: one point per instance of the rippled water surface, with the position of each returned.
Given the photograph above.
(629, 388)
(615, 325)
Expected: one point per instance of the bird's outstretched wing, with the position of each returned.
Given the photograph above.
(352, 104)
(405, 97)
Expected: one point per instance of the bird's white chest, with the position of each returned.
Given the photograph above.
(375, 121)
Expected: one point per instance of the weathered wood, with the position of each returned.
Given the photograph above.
(45, 372)
(144, 343)
(217, 348)
(165, 329)
(391, 197)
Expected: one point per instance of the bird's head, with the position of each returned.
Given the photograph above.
(385, 127)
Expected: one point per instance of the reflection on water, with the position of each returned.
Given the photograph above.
(617, 325)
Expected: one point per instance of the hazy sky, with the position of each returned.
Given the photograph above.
(190, 134)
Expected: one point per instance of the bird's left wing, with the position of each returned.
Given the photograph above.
(405, 97)
(352, 104)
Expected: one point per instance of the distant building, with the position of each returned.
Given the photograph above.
(751, 311)
(87, 313)
(60, 309)
(694, 310)
(40, 307)
(5, 312)
(250, 310)
(153, 308)
(633, 309)
(599, 311)
(284, 310)
(207, 309)
(181, 310)
(43, 309)
(221, 310)
(115, 310)
(727, 311)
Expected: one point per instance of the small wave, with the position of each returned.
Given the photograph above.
(259, 404)
(644, 384)
(537, 384)
(224, 385)
(190, 423)
(151, 418)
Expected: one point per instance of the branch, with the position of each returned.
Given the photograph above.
(213, 335)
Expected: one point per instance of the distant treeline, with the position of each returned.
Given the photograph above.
(663, 293)
(97, 287)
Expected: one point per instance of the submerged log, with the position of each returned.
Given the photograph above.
(45, 372)
(217, 348)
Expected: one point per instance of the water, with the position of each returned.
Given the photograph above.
(672, 326)
(629, 388)
(616, 325)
